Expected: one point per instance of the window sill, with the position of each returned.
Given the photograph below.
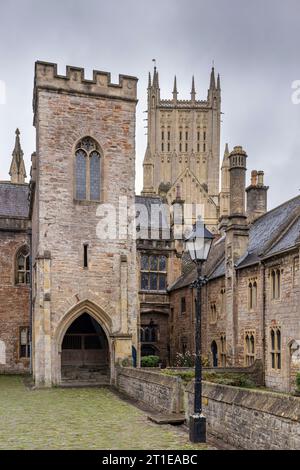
(86, 202)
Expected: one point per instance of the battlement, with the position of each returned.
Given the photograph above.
(74, 82)
(183, 104)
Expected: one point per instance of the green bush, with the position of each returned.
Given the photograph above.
(150, 361)
(298, 381)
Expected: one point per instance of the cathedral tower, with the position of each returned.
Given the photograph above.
(183, 146)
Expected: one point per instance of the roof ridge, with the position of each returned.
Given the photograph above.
(275, 208)
(279, 233)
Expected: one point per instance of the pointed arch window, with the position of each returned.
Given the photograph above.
(249, 348)
(87, 170)
(23, 266)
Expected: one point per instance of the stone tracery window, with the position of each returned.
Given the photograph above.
(23, 266)
(252, 294)
(275, 283)
(153, 272)
(249, 348)
(275, 334)
(87, 170)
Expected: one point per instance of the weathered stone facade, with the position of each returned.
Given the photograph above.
(66, 110)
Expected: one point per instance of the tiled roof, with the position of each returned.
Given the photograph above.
(14, 200)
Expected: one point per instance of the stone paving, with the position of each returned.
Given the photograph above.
(78, 418)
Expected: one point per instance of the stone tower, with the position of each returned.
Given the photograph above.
(85, 132)
(183, 146)
(17, 170)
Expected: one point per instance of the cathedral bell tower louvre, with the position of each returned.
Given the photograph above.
(183, 147)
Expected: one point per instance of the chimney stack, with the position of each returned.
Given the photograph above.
(237, 168)
(256, 196)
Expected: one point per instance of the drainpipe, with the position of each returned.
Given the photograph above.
(263, 275)
(29, 231)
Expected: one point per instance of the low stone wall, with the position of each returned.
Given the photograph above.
(245, 418)
(254, 372)
(160, 392)
(249, 419)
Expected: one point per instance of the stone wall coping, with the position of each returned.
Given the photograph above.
(273, 403)
(147, 376)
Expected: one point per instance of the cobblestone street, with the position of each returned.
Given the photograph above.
(82, 418)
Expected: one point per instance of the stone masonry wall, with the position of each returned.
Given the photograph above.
(245, 418)
(66, 110)
(14, 303)
(160, 392)
(249, 419)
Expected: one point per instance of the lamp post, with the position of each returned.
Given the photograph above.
(198, 244)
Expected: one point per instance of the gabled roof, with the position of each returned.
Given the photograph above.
(14, 200)
(267, 229)
(288, 240)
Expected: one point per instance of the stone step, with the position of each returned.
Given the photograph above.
(172, 418)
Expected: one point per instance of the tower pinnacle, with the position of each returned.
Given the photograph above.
(175, 92)
(193, 91)
(17, 170)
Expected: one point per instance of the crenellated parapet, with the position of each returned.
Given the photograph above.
(74, 82)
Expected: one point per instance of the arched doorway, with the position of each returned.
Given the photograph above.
(85, 352)
(214, 351)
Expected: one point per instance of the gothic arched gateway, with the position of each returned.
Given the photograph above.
(85, 352)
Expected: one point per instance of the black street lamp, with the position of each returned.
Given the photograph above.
(198, 244)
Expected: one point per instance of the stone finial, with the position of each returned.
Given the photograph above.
(149, 80)
(212, 84)
(218, 83)
(17, 170)
(155, 78)
(175, 92)
(193, 91)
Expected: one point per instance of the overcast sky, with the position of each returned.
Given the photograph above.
(255, 46)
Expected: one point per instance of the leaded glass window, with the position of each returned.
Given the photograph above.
(23, 266)
(88, 170)
(95, 176)
(153, 272)
(81, 174)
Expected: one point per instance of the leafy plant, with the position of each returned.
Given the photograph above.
(150, 361)
(298, 381)
(187, 359)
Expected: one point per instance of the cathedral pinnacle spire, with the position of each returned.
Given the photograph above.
(193, 91)
(175, 92)
(17, 170)
(155, 78)
(149, 80)
(212, 84)
(218, 82)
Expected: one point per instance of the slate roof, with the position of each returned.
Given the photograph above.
(14, 200)
(288, 240)
(268, 228)
(144, 219)
(276, 231)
